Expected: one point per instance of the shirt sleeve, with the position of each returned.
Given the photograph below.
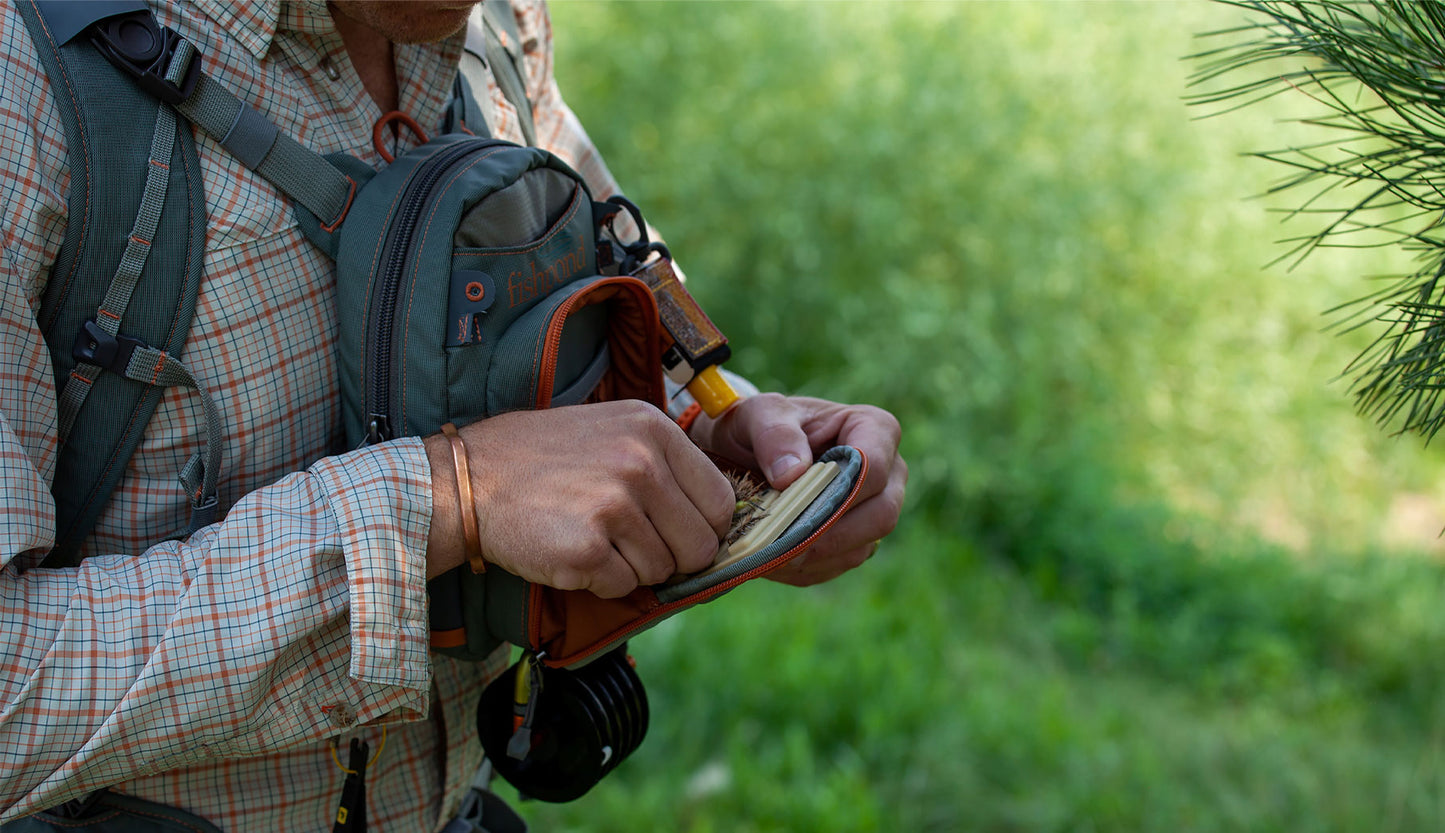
(299, 615)
(288, 622)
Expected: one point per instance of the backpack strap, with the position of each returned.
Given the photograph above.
(463, 114)
(501, 44)
(492, 41)
(141, 275)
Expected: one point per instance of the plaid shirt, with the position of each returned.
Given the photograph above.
(214, 673)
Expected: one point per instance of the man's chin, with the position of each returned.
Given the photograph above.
(409, 21)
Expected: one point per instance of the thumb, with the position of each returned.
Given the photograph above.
(771, 427)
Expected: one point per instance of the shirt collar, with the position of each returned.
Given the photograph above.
(255, 23)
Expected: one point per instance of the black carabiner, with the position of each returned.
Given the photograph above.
(637, 257)
(631, 208)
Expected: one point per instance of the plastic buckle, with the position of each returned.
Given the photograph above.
(94, 345)
(77, 809)
(143, 48)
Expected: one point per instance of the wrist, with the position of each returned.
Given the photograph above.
(445, 548)
(466, 504)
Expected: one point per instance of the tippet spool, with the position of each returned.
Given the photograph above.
(583, 722)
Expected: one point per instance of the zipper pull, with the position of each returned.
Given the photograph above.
(351, 812)
(378, 430)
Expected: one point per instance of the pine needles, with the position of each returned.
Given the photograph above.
(1377, 69)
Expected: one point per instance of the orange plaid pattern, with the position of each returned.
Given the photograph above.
(213, 673)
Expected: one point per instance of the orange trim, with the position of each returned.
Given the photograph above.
(689, 416)
(454, 638)
(350, 197)
(602, 291)
(386, 119)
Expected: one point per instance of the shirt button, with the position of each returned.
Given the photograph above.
(330, 69)
(341, 715)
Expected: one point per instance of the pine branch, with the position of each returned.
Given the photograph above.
(1377, 70)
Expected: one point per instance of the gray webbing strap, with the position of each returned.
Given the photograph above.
(200, 474)
(504, 56)
(303, 175)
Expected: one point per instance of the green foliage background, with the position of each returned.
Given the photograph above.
(1154, 573)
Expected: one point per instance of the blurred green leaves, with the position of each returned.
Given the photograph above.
(1000, 221)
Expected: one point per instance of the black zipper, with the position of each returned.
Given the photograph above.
(415, 194)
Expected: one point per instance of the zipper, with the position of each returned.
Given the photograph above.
(552, 340)
(399, 235)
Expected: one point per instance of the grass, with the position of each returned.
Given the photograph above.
(1152, 573)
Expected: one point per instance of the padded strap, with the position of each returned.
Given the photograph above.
(147, 365)
(127, 275)
(104, 262)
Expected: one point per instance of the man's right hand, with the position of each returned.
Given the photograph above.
(599, 497)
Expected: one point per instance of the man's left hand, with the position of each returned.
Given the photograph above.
(782, 435)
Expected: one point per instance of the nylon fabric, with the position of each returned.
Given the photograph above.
(94, 99)
(180, 62)
(522, 211)
(122, 287)
(307, 178)
(250, 137)
(147, 220)
(73, 394)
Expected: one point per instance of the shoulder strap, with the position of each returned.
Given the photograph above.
(153, 263)
(498, 42)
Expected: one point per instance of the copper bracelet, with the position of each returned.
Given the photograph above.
(470, 532)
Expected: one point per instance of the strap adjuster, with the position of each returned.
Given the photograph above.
(94, 345)
(143, 48)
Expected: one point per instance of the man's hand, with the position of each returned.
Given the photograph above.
(600, 497)
(782, 436)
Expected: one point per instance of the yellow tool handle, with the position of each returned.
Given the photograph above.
(712, 391)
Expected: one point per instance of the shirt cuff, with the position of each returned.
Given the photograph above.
(380, 497)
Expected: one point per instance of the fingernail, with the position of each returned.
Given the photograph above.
(782, 466)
